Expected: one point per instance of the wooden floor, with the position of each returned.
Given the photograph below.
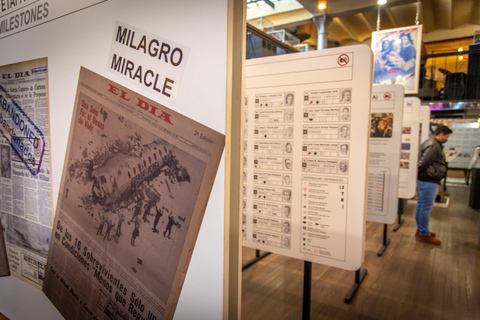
(412, 280)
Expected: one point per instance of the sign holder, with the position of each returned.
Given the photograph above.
(386, 241)
(257, 258)
(402, 205)
(359, 276)
(307, 289)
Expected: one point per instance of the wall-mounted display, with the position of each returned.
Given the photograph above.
(384, 152)
(18, 16)
(397, 57)
(135, 185)
(407, 184)
(305, 159)
(26, 203)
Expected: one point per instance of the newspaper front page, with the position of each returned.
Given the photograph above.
(135, 185)
(4, 269)
(26, 189)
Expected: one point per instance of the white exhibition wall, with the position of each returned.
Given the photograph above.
(84, 38)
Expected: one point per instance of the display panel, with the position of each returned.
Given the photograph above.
(409, 149)
(135, 185)
(383, 166)
(307, 126)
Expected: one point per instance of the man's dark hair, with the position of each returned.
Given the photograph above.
(442, 129)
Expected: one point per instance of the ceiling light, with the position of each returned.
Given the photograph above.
(322, 5)
(460, 49)
(380, 2)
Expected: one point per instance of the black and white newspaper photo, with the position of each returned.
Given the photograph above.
(135, 185)
(25, 173)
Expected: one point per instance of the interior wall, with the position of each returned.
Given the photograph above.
(84, 39)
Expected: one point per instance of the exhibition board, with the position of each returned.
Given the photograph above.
(410, 143)
(305, 155)
(384, 153)
(82, 34)
(462, 143)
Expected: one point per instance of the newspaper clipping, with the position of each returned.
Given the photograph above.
(26, 199)
(4, 269)
(135, 185)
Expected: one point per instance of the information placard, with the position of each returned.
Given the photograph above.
(410, 143)
(301, 198)
(383, 166)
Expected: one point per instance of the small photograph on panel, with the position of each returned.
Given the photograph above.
(287, 195)
(287, 211)
(344, 149)
(286, 242)
(288, 116)
(286, 227)
(288, 147)
(406, 130)
(289, 99)
(404, 165)
(287, 164)
(343, 166)
(288, 132)
(344, 131)
(346, 96)
(6, 168)
(244, 234)
(287, 180)
(345, 114)
(381, 125)
(405, 146)
(404, 155)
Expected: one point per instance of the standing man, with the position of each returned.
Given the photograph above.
(432, 168)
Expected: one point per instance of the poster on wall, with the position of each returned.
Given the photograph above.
(4, 269)
(397, 57)
(25, 170)
(305, 162)
(384, 152)
(134, 188)
(407, 183)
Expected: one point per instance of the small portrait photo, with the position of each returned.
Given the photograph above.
(244, 234)
(244, 176)
(244, 190)
(288, 132)
(381, 125)
(344, 149)
(288, 115)
(246, 101)
(405, 146)
(286, 226)
(344, 131)
(404, 165)
(287, 164)
(244, 219)
(404, 155)
(406, 130)
(345, 114)
(286, 242)
(6, 169)
(287, 180)
(287, 212)
(346, 96)
(244, 161)
(289, 99)
(343, 166)
(287, 195)
(288, 148)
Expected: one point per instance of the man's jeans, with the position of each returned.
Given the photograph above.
(426, 192)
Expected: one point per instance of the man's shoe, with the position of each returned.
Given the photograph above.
(429, 239)
(433, 234)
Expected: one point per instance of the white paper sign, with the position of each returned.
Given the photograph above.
(305, 156)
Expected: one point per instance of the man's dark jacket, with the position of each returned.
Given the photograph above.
(431, 164)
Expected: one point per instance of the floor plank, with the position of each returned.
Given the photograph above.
(412, 280)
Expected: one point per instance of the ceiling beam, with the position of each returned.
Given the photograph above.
(338, 8)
